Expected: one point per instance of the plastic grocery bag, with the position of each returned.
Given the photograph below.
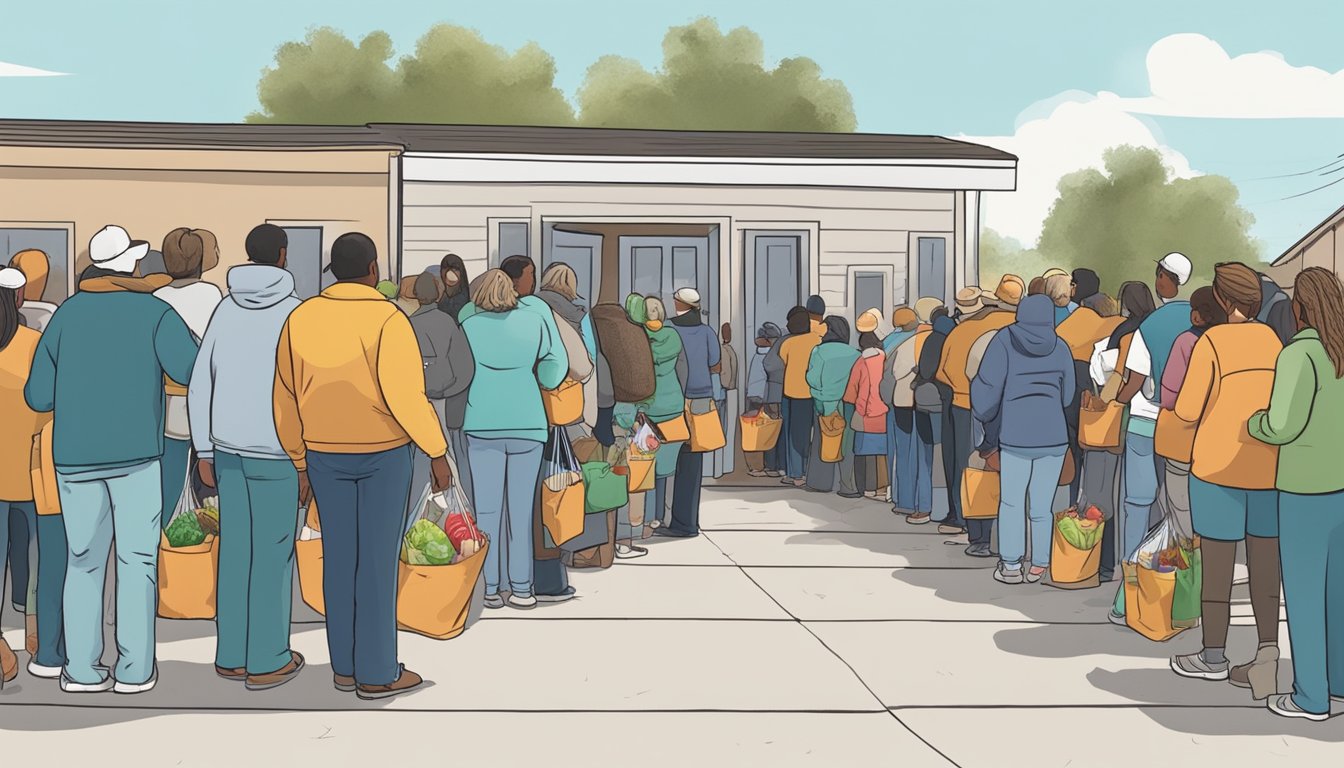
(188, 558)
(1151, 578)
(645, 438)
(433, 598)
(308, 556)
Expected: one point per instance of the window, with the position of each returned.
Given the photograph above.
(870, 290)
(55, 243)
(684, 271)
(304, 259)
(933, 268)
(648, 271)
(513, 240)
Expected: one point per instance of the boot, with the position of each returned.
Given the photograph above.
(30, 634)
(1261, 674)
(9, 663)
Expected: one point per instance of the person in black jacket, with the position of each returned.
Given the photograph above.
(926, 378)
(1276, 310)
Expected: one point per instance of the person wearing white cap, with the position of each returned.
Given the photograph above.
(701, 354)
(110, 345)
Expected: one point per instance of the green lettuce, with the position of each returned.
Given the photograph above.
(427, 544)
(184, 531)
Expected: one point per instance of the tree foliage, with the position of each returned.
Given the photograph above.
(1120, 221)
(708, 80)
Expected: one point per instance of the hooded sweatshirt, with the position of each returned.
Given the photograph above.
(668, 399)
(229, 398)
(1025, 381)
(830, 366)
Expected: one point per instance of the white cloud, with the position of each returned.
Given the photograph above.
(18, 70)
(1190, 75)
(1056, 137)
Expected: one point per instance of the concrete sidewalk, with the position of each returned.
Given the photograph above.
(801, 629)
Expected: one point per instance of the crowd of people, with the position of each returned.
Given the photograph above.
(362, 397)
(1232, 403)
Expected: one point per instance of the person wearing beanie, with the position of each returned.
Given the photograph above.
(816, 309)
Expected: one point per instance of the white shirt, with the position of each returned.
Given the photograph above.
(1140, 361)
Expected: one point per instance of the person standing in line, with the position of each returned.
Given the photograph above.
(187, 255)
(667, 405)
(977, 320)
(776, 461)
(1019, 393)
(796, 353)
(1093, 320)
(349, 401)
(1232, 494)
(456, 291)
(700, 359)
(863, 394)
(1045, 276)
(904, 325)
(757, 392)
(18, 344)
(910, 432)
(727, 379)
(816, 311)
(1059, 288)
(100, 368)
(233, 430)
(874, 483)
(827, 376)
(1305, 419)
(931, 397)
(449, 366)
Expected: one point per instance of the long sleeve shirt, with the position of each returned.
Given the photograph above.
(1305, 418)
(1173, 375)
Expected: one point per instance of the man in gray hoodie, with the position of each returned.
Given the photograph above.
(233, 430)
(449, 366)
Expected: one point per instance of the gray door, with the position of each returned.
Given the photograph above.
(933, 268)
(775, 284)
(870, 292)
(580, 251)
(660, 266)
(53, 242)
(304, 260)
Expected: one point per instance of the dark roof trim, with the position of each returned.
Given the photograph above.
(78, 133)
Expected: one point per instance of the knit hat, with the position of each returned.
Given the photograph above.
(868, 321)
(688, 296)
(769, 331)
(904, 317)
(816, 305)
(1010, 291)
(970, 300)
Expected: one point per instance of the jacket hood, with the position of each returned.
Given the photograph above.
(837, 330)
(1034, 332)
(1087, 282)
(258, 286)
(664, 342)
(944, 325)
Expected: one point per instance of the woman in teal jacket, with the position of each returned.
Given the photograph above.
(516, 356)
(669, 400)
(1306, 419)
(827, 376)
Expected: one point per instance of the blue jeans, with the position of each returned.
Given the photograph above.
(1140, 490)
(504, 472)
(52, 556)
(911, 438)
(258, 512)
(799, 414)
(1311, 551)
(1028, 478)
(103, 507)
(361, 506)
(176, 454)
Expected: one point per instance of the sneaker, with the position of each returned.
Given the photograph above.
(279, 677)
(344, 683)
(1034, 574)
(628, 552)
(569, 594)
(1117, 619)
(234, 674)
(1005, 575)
(494, 601)
(406, 682)
(757, 473)
(919, 518)
(870, 494)
(979, 550)
(106, 684)
(133, 688)
(1194, 666)
(950, 530)
(523, 601)
(43, 673)
(1284, 706)
(1261, 674)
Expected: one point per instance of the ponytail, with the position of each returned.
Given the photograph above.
(1320, 301)
(9, 316)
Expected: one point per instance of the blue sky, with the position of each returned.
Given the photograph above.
(978, 68)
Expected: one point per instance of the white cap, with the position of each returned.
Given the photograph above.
(1178, 265)
(12, 278)
(114, 250)
(688, 296)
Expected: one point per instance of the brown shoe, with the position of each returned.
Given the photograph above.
(279, 677)
(30, 635)
(9, 663)
(236, 675)
(344, 684)
(408, 682)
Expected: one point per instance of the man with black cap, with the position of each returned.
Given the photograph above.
(349, 403)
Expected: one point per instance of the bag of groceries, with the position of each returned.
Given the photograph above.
(442, 555)
(561, 490)
(189, 555)
(1162, 582)
(760, 431)
(1075, 547)
(308, 556)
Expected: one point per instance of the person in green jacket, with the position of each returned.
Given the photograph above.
(668, 403)
(1305, 419)
(828, 372)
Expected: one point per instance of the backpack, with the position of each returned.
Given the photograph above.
(625, 345)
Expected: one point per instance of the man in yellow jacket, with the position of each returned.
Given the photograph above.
(349, 401)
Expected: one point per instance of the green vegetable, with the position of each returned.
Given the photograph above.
(184, 531)
(427, 544)
(1077, 536)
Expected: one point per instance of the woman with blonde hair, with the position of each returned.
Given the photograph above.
(516, 356)
(1305, 419)
(1060, 290)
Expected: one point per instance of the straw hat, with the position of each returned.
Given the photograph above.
(1010, 291)
(970, 300)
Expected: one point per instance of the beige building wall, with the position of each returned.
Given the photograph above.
(152, 191)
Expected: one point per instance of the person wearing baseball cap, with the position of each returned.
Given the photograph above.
(701, 355)
(110, 345)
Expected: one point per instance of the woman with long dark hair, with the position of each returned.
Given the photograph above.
(456, 285)
(1305, 419)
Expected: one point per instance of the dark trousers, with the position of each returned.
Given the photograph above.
(776, 458)
(173, 475)
(19, 538)
(52, 552)
(798, 418)
(956, 457)
(686, 492)
(602, 429)
(361, 505)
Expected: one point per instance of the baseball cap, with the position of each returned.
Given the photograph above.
(112, 249)
(351, 255)
(688, 296)
(1178, 265)
(12, 278)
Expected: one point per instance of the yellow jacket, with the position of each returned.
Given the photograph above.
(349, 378)
(796, 352)
(957, 351)
(1083, 328)
(20, 422)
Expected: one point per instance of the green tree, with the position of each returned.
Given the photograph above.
(1121, 221)
(454, 76)
(710, 80)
